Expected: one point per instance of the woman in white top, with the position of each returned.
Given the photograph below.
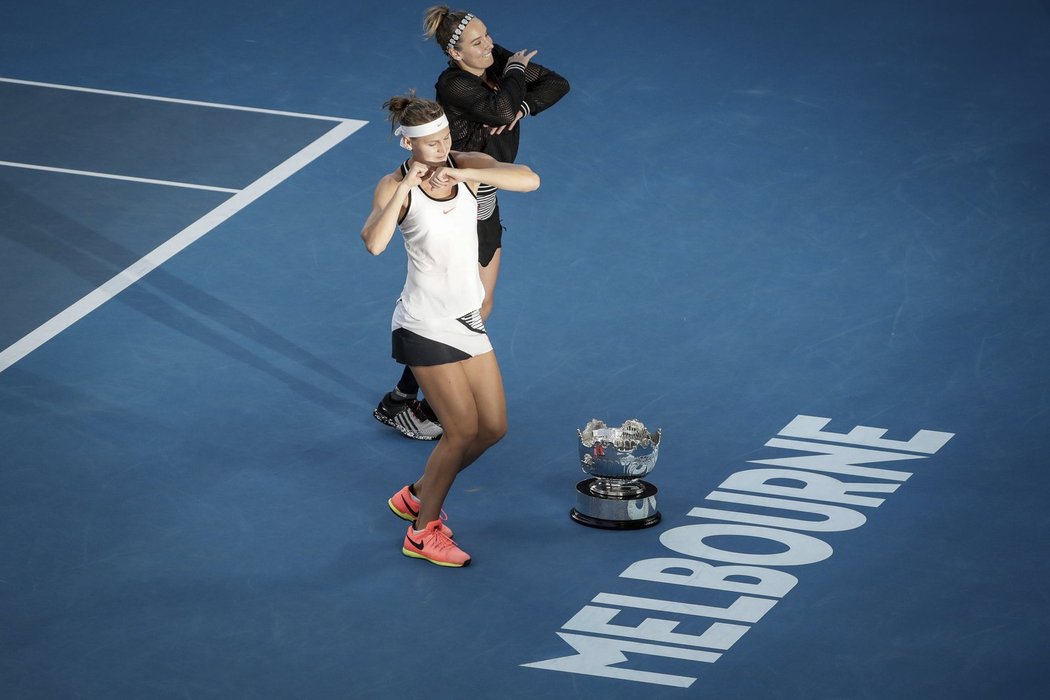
(436, 327)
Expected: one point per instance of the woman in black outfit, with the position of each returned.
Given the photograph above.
(485, 91)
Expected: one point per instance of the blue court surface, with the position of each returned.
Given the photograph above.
(808, 241)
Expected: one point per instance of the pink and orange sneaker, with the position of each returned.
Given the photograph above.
(431, 544)
(406, 506)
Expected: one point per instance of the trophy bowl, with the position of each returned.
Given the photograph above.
(616, 458)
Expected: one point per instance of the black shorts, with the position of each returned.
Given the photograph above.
(490, 237)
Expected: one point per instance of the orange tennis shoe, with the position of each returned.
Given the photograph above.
(406, 506)
(431, 544)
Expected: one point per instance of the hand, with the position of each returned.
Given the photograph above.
(493, 130)
(445, 176)
(442, 177)
(523, 57)
(416, 173)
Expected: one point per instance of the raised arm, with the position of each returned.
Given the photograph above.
(389, 200)
(543, 88)
(467, 95)
(483, 168)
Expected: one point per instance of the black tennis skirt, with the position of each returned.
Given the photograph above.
(419, 343)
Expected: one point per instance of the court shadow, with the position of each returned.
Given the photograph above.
(93, 258)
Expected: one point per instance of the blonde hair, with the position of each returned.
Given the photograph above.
(410, 110)
(440, 23)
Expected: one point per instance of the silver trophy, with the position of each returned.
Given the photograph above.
(616, 497)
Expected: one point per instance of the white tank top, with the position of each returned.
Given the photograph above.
(441, 239)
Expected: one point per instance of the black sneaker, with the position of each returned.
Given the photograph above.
(389, 407)
(409, 417)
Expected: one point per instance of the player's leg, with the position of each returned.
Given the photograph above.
(489, 276)
(448, 387)
(490, 242)
(486, 384)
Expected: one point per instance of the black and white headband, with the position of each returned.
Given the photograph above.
(459, 31)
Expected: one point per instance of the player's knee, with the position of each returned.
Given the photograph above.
(492, 431)
(461, 432)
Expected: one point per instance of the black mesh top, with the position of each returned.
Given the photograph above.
(470, 103)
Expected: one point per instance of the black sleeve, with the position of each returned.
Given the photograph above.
(543, 88)
(466, 95)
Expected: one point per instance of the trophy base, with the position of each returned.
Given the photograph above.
(615, 512)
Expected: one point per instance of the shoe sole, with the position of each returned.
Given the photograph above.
(416, 555)
(384, 420)
(399, 513)
(412, 435)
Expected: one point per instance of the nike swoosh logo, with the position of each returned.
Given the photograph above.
(408, 507)
(418, 545)
(448, 211)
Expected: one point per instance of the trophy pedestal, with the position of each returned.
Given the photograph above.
(607, 504)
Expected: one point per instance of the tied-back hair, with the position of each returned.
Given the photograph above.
(410, 110)
(439, 23)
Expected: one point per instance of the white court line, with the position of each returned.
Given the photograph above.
(111, 176)
(155, 98)
(176, 243)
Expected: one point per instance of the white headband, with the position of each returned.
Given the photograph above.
(414, 132)
(459, 30)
